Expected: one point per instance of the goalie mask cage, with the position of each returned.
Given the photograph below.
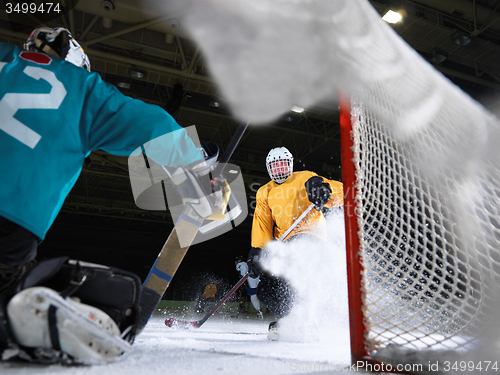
(419, 281)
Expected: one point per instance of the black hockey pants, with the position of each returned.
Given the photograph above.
(276, 293)
(17, 245)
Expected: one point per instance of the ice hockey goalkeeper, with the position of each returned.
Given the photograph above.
(53, 113)
(279, 203)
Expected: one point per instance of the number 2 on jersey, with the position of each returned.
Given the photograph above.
(12, 102)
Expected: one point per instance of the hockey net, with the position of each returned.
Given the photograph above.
(425, 212)
(422, 196)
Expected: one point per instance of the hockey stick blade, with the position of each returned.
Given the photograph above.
(177, 323)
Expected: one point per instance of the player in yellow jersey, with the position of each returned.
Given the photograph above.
(279, 203)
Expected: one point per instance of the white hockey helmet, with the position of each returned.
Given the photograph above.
(279, 163)
(60, 42)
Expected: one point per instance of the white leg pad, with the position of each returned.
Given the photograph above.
(86, 333)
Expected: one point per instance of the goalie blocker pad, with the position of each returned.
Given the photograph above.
(193, 183)
(115, 292)
(192, 186)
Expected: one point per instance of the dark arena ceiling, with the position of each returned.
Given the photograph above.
(100, 221)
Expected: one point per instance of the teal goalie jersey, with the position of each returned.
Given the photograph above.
(52, 115)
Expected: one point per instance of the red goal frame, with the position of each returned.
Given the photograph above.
(357, 325)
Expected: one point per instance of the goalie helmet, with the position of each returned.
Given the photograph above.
(279, 163)
(60, 41)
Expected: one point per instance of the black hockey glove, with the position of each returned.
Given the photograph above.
(253, 262)
(318, 191)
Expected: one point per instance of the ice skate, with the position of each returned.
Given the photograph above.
(273, 333)
(260, 316)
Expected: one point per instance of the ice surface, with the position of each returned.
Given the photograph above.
(220, 346)
(314, 337)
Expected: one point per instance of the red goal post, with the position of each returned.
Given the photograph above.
(353, 256)
(423, 258)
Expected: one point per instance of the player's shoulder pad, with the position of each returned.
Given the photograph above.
(263, 191)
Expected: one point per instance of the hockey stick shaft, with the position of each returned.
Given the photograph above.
(171, 322)
(228, 152)
(172, 253)
(296, 222)
(223, 299)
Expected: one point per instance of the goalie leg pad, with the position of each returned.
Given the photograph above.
(41, 318)
(104, 290)
(114, 291)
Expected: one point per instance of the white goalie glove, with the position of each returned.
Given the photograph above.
(208, 196)
(212, 191)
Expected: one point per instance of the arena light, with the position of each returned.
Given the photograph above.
(137, 74)
(123, 85)
(438, 56)
(462, 40)
(297, 109)
(392, 16)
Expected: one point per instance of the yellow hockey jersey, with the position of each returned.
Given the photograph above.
(278, 206)
(210, 291)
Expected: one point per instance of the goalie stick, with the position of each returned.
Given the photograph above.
(172, 253)
(173, 322)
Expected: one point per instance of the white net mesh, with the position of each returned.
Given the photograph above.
(429, 228)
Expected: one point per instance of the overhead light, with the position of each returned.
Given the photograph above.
(392, 17)
(107, 5)
(123, 85)
(174, 23)
(297, 109)
(462, 40)
(136, 74)
(214, 104)
(438, 56)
